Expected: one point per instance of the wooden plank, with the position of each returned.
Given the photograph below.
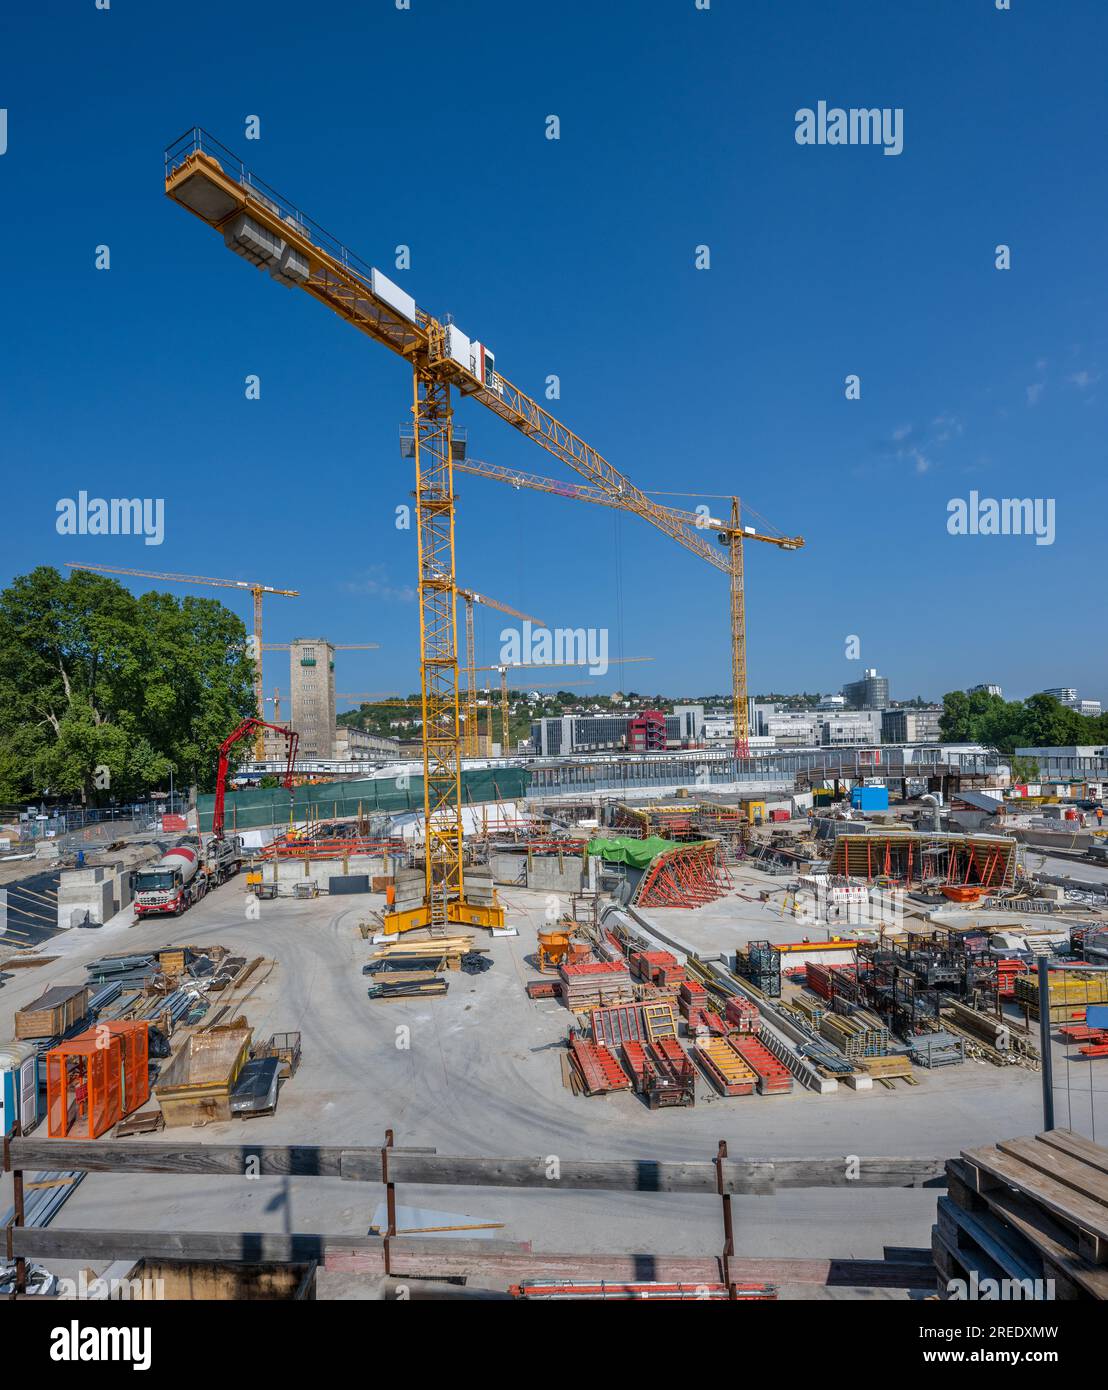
(1072, 1172)
(1076, 1146)
(277, 1247)
(429, 1255)
(425, 1167)
(969, 1261)
(989, 1235)
(1062, 1201)
(1056, 1244)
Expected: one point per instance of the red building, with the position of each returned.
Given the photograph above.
(646, 732)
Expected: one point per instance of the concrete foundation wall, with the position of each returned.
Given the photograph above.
(74, 900)
(546, 874)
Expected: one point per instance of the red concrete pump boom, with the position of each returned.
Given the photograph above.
(244, 730)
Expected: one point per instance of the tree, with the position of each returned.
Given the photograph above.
(1024, 770)
(101, 692)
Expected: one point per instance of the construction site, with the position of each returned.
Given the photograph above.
(423, 1010)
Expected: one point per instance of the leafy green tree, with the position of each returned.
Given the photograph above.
(102, 692)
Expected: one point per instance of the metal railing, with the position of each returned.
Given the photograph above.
(199, 141)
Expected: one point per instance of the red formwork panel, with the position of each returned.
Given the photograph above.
(774, 1078)
(820, 979)
(724, 1068)
(634, 1061)
(617, 1024)
(668, 1056)
(743, 1013)
(599, 1067)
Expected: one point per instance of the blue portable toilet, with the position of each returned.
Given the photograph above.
(19, 1097)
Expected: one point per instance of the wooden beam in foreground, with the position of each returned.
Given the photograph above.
(425, 1168)
(496, 1260)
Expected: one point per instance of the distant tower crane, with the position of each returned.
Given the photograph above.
(505, 667)
(272, 234)
(256, 590)
(731, 534)
(471, 598)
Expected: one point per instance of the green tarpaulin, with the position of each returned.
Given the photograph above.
(637, 853)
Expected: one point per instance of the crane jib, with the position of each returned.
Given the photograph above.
(270, 233)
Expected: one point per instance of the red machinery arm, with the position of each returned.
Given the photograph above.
(244, 730)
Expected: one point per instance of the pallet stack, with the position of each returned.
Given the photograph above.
(742, 1014)
(596, 984)
(656, 968)
(1033, 1210)
(692, 995)
(1070, 992)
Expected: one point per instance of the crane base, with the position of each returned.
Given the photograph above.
(489, 915)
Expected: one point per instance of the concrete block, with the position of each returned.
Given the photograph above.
(122, 890)
(82, 878)
(97, 899)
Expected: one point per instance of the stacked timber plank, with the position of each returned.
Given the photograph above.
(596, 984)
(443, 954)
(1033, 1210)
(1070, 992)
(888, 1070)
(1001, 1040)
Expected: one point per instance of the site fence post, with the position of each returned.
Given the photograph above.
(390, 1201)
(728, 1229)
(1044, 1044)
(19, 1285)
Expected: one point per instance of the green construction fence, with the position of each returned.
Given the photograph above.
(258, 806)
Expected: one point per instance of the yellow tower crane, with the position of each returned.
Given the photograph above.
(472, 598)
(271, 233)
(731, 533)
(256, 591)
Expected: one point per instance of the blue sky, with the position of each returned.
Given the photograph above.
(576, 257)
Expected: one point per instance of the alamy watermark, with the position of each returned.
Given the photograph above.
(857, 125)
(1005, 516)
(112, 516)
(560, 646)
(975, 1289)
(817, 903)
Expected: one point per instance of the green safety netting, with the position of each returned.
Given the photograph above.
(637, 853)
(257, 806)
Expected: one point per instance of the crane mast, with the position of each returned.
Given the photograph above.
(272, 234)
(731, 534)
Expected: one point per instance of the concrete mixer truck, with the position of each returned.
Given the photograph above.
(185, 873)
